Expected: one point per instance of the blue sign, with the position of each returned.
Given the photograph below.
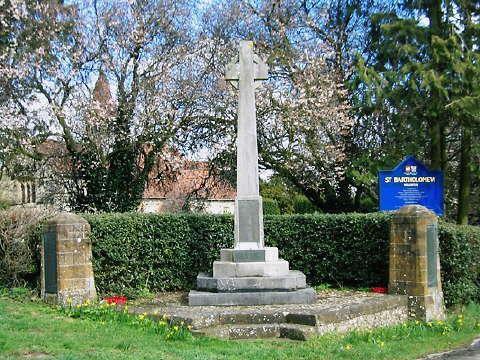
(411, 183)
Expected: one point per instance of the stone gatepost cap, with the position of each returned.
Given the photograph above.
(65, 218)
(414, 210)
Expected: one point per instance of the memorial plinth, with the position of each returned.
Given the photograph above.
(250, 273)
(238, 281)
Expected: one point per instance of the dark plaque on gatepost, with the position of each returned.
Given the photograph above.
(432, 254)
(50, 261)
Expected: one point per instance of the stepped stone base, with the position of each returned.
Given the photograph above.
(337, 311)
(201, 298)
(223, 269)
(297, 331)
(251, 277)
(294, 280)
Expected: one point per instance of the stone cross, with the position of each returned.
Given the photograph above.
(248, 204)
(250, 273)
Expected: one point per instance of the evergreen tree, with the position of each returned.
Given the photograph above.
(423, 78)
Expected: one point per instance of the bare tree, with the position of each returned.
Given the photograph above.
(153, 73)
(303, 115)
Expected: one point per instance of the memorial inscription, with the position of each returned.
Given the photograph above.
(50, 256)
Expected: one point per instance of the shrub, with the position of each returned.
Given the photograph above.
(340, 249)
(302, 205)
(135, 251)
(270, 207)
(460, 262)
(19, 244)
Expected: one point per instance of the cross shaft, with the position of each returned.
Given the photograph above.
(248, 203)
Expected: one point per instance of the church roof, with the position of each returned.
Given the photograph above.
(101, 92)
(186, 178)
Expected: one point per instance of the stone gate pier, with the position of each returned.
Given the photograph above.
(415, 263)
(66, 261)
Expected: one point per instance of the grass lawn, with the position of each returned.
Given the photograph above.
(31, 330)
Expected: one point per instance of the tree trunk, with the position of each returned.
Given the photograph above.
(434, 13)
(443, 147)
(435, 144)
(464, 176)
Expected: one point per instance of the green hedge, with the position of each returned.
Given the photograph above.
(165, 252)
(134, 251)
(460, 263)
(343, 249)
(270, 207)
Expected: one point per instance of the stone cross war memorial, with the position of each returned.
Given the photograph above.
(250, 273)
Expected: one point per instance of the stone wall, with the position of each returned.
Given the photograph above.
(159, 206)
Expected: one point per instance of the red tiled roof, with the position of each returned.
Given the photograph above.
(181, 178)
(51, 147)
(173, 176)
